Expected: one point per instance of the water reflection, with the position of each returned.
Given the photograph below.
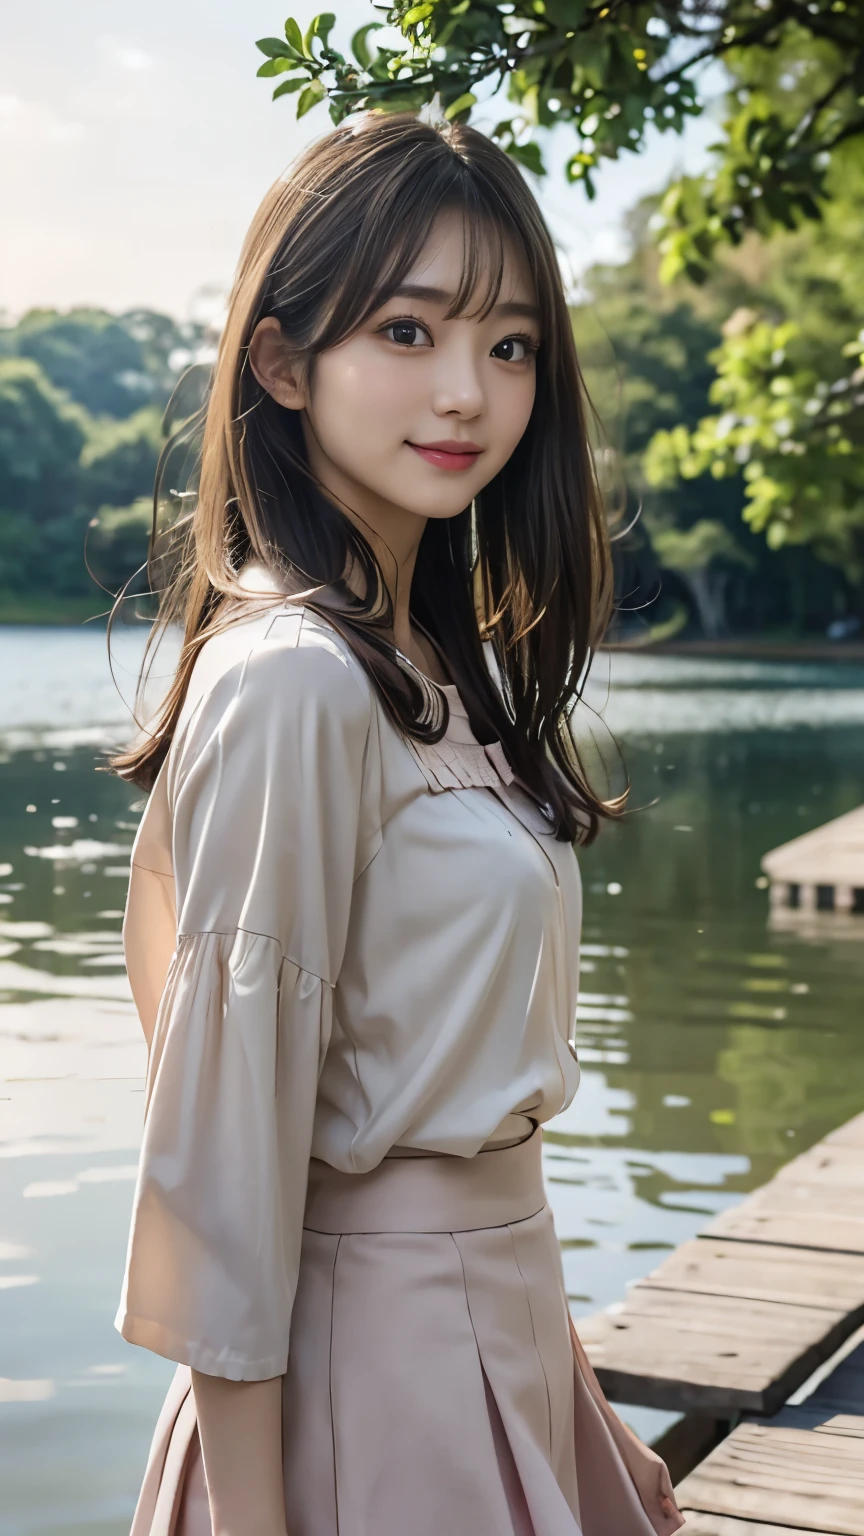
(712, 1046)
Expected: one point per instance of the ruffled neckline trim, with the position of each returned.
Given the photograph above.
(459, 760)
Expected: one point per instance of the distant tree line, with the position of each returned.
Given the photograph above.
(81, 402)
(82, 396)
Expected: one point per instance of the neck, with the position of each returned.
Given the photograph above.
(394, 535)
(396, 552)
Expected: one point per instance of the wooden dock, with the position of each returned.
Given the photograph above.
(797, 1473)
(765, 1305)
(821, 871)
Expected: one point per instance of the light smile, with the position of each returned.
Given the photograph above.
(451, 455)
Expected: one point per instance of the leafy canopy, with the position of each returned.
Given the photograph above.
(608, 71)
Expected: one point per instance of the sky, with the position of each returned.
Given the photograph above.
(136, 142)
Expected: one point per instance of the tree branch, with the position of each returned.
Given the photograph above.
(817, 107)
(718, 48)
(820, 26)
(855, 126)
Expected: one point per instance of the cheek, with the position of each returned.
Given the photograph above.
(511, 413)
(357, 384)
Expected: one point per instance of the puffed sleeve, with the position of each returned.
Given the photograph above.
(271, 826)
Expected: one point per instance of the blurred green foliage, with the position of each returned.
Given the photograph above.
(609, 71)
(81, 398)
(110, 364)
(645, 348)
(786, 410)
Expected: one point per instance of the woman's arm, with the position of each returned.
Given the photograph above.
(270, 821)
(240, 1425)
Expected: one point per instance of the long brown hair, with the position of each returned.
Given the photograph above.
(527, 567)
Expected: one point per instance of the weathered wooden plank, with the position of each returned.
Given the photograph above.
(789, 1253)
(837, 1164)
(699, 1524)
(764, 1272)
(783, 1475)
(806, 1200)
(728, 1316)
(820, 1421)
(708, 1353)
(849, 1135)
(795, 1216)
(788, 1229)
(827, 1198)
(740, 1317)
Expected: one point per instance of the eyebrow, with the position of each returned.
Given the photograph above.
(509, 310)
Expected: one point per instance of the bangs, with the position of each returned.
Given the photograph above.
(485, 253)
(392, 231)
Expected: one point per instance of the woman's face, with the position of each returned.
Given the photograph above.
(414, 411)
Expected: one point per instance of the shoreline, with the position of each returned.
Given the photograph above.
(49, 613)
(84, 613)
(745, 648)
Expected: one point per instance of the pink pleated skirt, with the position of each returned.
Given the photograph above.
(433, 1384)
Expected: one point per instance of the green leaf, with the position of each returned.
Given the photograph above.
(417, 13)
(463, 103)
(310, 98)
(295, 37)
(359, 45)
(275, 48)
(320, 27)
(288, 86)
(579, 165)
(528, 155)
(405, 101)
(272, 67)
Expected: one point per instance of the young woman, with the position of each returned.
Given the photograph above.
(353, 921)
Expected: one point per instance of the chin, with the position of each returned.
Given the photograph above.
(446, 497)
(437, 501)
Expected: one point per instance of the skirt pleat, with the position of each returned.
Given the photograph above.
(434, 1384)
(519, 1349)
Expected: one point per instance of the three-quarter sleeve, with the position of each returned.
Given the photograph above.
(271, 827)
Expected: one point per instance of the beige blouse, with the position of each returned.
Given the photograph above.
(340, 943)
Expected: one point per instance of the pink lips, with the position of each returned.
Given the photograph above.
(449, 454)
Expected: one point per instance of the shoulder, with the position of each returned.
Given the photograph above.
(276, 664)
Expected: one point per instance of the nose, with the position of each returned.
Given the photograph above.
(458, 387)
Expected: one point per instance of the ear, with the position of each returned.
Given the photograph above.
(273, 366)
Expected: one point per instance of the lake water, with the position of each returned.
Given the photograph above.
(713, 1047)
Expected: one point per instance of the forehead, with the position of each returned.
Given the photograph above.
(473, 262)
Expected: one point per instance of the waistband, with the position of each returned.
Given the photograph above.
(429, 1194)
